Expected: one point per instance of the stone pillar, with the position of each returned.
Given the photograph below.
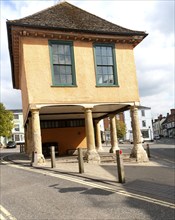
(137, 151)
(26, 138)
(113, 133)
(30, 137)
(98, 136)
(36, 131)
(91, 154)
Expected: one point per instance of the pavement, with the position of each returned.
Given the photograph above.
(147, 179)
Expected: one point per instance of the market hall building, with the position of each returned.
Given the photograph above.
(73, 69)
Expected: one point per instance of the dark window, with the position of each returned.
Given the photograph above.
(62, 123)
(145, 134)
(16, 116)
(143, 123)
(106, 74)
(143, 112)
(16, 127)
(62, 59)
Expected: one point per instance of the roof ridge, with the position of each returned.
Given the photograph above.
(38, 12)
(62, 16)
(101, 18)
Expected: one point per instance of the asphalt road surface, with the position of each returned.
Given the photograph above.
(29, 194)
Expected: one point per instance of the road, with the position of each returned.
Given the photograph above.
(163, 151)
(29, 194)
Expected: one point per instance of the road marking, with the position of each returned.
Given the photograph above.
(95, 185)
(1, 217)
(168, 161)
(6, 213)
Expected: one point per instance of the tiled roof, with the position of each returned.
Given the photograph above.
(67, 17)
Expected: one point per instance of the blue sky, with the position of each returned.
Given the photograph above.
(154, 56)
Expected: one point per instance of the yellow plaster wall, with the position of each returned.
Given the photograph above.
(67, 138)
(39, 80)
(24, 91)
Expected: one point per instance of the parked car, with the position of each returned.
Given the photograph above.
(11, 144)
(132, 141)
(156, 137)
(120, 141)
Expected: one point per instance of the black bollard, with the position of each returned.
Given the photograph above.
(80, 160)
(148, 150)
(120, 167)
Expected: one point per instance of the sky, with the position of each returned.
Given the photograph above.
(154, 56)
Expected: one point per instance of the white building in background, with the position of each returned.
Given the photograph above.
(145, 119)
(18, 130)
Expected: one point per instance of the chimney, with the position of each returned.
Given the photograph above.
(167, 114)
(172, 111)
(160, 117)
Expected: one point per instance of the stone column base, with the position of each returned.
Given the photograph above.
(92, 157)
(139, 153)
(39, 159)
(113, 149)
(100, 149)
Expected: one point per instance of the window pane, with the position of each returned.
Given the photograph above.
(69, 79)
(68, 70)
(16, 116)
(105, 70)
(98, 51)
(99, 70)
(56, 69)
(67, 49)
(110, 70)
(55, 59)
(63, 79)
(103, 51)
(110, 61)
(104, 64)
(109, 51)
(99, 61)
(62, 63)
(105, 79)
(99, 79)
(60, 49)
(111, 79)
(62, 70)
(67, 59)
(57, 79)
(61, 59)
(54, 49)
(104, 61)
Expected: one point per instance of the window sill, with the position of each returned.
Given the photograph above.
(64, 86)
(107, 85)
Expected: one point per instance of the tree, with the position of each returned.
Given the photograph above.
(121, 128)
(6, 121)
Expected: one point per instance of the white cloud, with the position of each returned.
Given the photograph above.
(154, 56)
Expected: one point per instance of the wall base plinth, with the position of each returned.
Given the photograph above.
(38, 159)
(139, 153)
(92, 157)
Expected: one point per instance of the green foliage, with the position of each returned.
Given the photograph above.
(121, 129)
(6, 121)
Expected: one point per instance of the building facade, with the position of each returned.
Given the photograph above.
(18, 130)
(157, 127)
(72, 71)
(168, 126)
